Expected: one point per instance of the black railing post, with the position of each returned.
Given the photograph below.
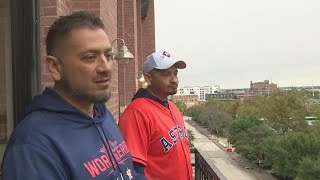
(197, 166)
(203, 169)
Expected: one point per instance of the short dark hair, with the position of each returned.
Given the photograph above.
(64, 24)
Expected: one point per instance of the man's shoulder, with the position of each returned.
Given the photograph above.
(30, 127)
(172, 105)
(138, 103)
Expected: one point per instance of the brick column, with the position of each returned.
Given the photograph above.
(148, 32)
(127, 30)
(146, 36)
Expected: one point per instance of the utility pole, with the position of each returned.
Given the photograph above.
(312, 91)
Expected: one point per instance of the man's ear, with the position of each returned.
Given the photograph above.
(55, 67)
(147, 78)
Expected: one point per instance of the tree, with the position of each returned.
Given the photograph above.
(218, 120)
(241, 125)
(249, 111)
(181, 106)
(230, 107)
(211, 116)
(190, 138)
(249, 137)
(195, 112)
(309, 169)
(287, 112)
(286, 152)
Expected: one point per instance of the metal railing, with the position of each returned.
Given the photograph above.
(205, 170)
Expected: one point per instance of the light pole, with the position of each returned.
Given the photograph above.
(123, 56)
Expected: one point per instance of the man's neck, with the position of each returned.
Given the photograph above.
(84, 106)
(161, 97)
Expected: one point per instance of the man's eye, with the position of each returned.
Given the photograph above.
(89, 58)
(166, 73)
(109, 55)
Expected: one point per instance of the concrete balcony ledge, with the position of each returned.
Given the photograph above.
(205, 170)
(215, 159)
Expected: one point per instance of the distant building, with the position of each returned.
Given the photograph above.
(263, 88)
(244, 95)
(201, 91)
(189, 100)
(221, 96)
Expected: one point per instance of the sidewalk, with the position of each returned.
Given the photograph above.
(231, 165)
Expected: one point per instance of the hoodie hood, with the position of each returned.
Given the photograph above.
(50, 101)
(144, 93)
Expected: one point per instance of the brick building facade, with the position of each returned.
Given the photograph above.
(189, 100)
(24, 25)
(264, 88)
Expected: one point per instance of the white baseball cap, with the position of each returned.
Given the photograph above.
(161, 60)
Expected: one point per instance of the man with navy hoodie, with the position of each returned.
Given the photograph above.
(68, 133)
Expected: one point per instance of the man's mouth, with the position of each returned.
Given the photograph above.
(103, 82)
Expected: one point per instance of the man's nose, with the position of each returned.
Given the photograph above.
(174, 79)
(105, 64)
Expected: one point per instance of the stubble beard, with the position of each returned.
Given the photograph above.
(173, 92)
(84, 95)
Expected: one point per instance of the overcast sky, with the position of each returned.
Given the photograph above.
(232, 42)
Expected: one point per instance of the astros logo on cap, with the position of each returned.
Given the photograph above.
(166, 54)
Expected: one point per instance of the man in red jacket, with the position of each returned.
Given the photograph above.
(153, 127)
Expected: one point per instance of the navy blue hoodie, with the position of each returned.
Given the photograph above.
(57, 141)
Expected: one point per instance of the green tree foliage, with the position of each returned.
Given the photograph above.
(287, 111)
(315, 128)
(252, 108)
(288, 144)
(218, 121)
(249, 137)
(181, 106)
(313, 109)
(211, 116)
(241, 126)
(273, 127)
(194, 112)
(191, 138)
(230, 107)
(309, 169)
(287, 152)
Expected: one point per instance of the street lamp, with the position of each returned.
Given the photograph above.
(123, 56)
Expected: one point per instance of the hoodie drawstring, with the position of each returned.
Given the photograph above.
(108, 148)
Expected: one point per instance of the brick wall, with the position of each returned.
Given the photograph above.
(127, 30)
(148, 33)
(147, 36)
(140, 39)
(49, 12)
(108, 15)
